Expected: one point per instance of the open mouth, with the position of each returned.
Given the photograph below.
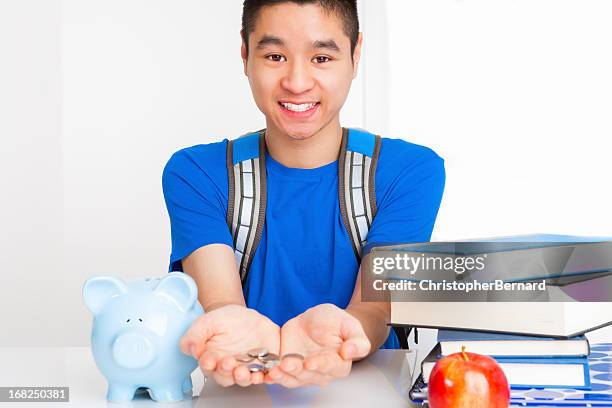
(301, 108)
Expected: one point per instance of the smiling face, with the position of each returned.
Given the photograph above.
(299, 67)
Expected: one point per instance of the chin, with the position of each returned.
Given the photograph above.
(300, 133)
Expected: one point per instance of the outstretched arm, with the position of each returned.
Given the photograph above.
(373, 316)
(228, 327)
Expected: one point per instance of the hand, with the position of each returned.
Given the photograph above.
(217, 336)
(328, 337)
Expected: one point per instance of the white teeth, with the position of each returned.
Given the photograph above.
(298, 108)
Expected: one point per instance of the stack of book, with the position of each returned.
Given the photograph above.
(578, 276)
(540, 345)
(527, 361)
(541, 371)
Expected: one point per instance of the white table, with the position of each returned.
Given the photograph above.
(382, 380)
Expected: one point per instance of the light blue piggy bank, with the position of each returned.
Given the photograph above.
(136, 332)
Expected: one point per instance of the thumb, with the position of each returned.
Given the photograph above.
(193, 342)
(355, 343)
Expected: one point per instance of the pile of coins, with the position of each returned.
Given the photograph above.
(261, 360)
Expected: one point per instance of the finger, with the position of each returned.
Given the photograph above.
(227, 365)
(292, 365)
(305, 377)
(286, 380)
(341, 370)
(355, 349)
(267, 379)
(209, 360)
(194, 340)
(223, 380)
(321, 362)
(356, 344)
(257, 378)
(242, 376)
(209, 374)
(328, 364)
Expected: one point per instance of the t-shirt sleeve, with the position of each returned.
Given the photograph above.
(196, 205)
(408, 201)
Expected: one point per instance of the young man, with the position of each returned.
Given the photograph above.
(302, 292)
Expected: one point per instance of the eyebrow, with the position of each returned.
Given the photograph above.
(268, 40)
(327, 45)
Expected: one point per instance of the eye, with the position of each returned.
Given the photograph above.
(127, 321)
(140, 319)
(275, 57)
(320, 59)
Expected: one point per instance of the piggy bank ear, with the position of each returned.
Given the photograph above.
(100, 289)
(180, 288)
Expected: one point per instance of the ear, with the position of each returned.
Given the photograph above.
(244, 54)
(100, 289)
(180, 288)
(357, 54)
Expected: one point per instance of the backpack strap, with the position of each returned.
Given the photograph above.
(359, 153)
(246, 206)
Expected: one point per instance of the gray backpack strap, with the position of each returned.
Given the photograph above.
(246, 200)
(356, 183)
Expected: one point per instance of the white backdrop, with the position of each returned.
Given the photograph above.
(515, 95)
(96, 96)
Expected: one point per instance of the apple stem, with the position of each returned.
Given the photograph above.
(463, 353)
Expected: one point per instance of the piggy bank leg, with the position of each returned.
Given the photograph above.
(168, 392)
(120, 392)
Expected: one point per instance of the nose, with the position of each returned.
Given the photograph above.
(298, 78)
(133, 350)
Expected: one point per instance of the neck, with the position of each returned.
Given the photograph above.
(315, 151)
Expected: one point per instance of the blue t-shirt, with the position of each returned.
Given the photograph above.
(305, 256)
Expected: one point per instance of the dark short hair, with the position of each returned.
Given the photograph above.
(346, 10)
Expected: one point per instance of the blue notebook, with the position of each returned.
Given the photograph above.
(599, 394)
(572, 372)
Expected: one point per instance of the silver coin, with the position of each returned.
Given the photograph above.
(258, 352)
(269, 357)
(243, 358)
(256, 367)
(293, 355)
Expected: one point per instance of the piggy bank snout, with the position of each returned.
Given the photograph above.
(133, 350)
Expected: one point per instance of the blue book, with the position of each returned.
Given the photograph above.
(558, 372)
(496, 244)
(599, 393)
(547, 373)
(511, 345)
(543, 256)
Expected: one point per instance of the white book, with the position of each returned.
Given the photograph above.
(510, 345)
(554, 319)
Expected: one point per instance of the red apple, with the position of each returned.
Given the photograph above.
(468, 380)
